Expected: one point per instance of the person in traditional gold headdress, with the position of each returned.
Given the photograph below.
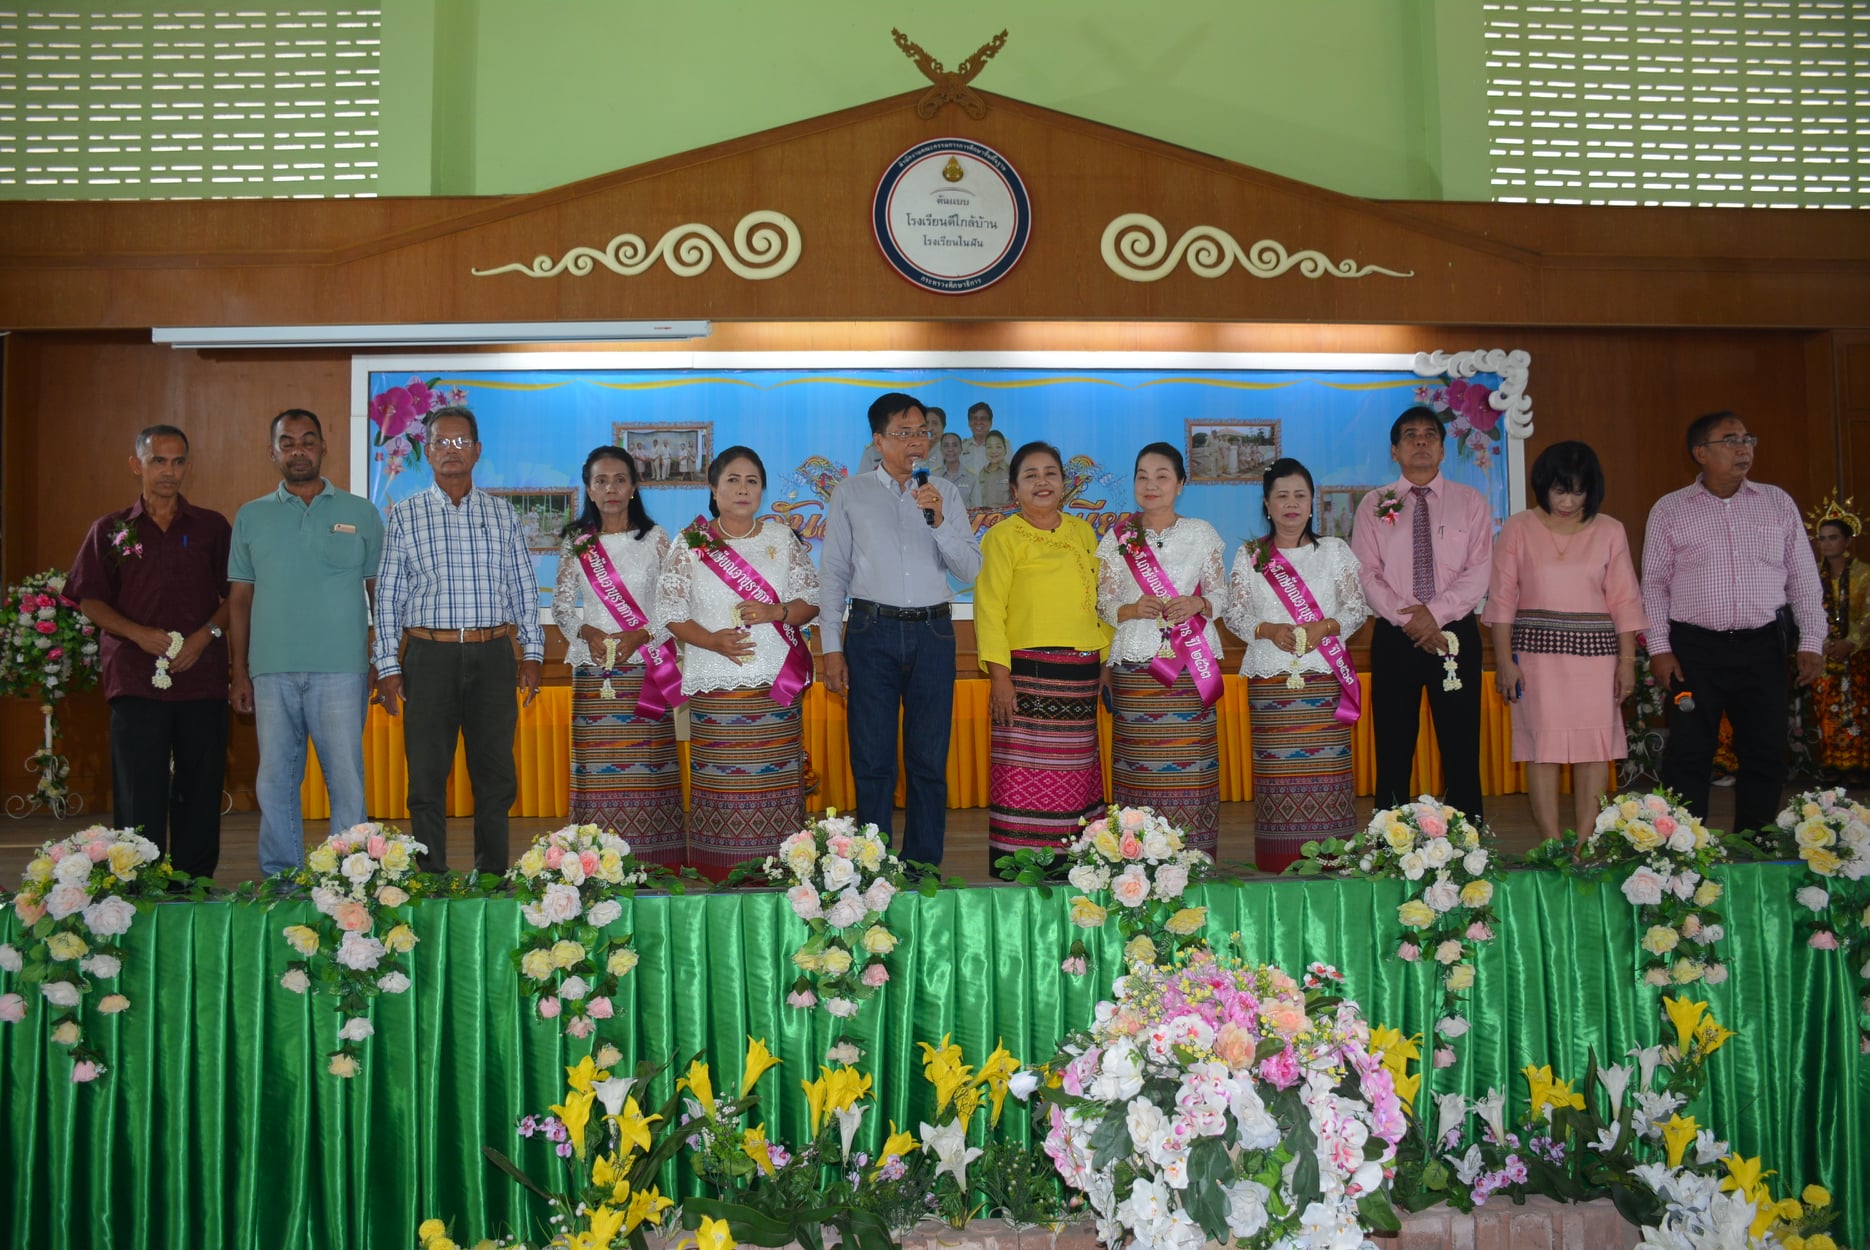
(1842, 695)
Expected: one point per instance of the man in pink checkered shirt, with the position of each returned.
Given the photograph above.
(1721, 558)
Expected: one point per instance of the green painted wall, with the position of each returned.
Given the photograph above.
(1380, 98)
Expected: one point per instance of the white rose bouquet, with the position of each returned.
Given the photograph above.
(1832, 833)
(839, 879)
(1672, 853)
(569, 883)
(360, 885)
(79, 897)
(1220, 1101)
(1144, 865)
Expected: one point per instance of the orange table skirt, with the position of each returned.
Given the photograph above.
(542, 751)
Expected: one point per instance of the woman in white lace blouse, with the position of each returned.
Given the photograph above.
(625, 773)
(1295, 598)
(737, 591)
(1164, 750)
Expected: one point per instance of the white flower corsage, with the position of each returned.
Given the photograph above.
(1451, 672)
(162, 680)
(609, 691)
(1295, 678)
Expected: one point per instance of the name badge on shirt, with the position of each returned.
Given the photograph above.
(342, 528)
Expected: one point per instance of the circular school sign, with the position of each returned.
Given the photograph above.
(952, 216)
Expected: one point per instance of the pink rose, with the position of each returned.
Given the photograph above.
(1715, 974)
(55, 653)
(1408, 952)
(1665, 825)
(1824, 940)
(588, 861)
(98, 850)
(580, 1026)
(1131, 847)
(801, 998)
(875, 975)
(56, 853)
(45, 627)
(376, 846)
(1073, 966)
(1281, 1071)
(352, 917)
(1234, 1046)
(1479, 932)
(1444, 1056)
(84, 1070)
(1096, 827)
(1131, 820)
(554, 856)
(12, 1009)
(28, 911)
(549, 1007)
(1285, 1016)
(601, 1008)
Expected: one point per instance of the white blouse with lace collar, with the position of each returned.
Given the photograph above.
(1332, 573)
(1190, 553)
(690, 591)
(638, 562)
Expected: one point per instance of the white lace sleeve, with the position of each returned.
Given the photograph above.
(673, 603)
(1115, 586)
(1241, 616)
(1214, 585)
(658, 628)
(1353, 608)
(567, 607)
(801, 573)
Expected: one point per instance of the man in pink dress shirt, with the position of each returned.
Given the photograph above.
(1720, 558)
(1425, 570)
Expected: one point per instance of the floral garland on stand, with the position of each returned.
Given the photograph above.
(1143, 861)
(1217, 1100)
(839, 880)
(1833, 837)
(1670, 888)
(1644, 727)
(568, 883)
(48, 649)
(1448, 862)
(359, 882)
(78, 899)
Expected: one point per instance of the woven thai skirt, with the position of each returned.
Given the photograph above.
(1302, 783)
(1165, 752)
(626, 774)
(744, 777)
(1046, 774)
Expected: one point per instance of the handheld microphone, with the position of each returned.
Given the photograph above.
(1684, 696)
(921, 474)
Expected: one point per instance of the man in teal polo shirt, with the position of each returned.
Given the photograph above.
(302, 567)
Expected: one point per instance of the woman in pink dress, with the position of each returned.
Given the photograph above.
(1565, 608)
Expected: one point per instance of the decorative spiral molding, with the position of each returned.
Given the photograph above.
(766, 244)
(1135, 246)
(1511, 400)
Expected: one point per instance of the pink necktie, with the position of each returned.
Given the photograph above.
(1424, 548)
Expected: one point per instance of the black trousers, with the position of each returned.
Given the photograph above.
(1399, 672)
(465, 691)
(168, 759)
(1741, 673)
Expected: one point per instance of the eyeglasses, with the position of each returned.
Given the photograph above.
(905, 435)
(1733, 442)
(460, 442)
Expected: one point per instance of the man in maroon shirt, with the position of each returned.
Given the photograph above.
(153, 577)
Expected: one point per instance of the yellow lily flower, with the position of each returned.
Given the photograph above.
(947, 1052)
(714, 1235)
(1678, 1135)
(645, 1204)
(1744, 1176)
(1771, 1213)
(844, 1086)
(759, 1059)
(608, 1172)
(606, 1223)
(999, 1069)
(1685, 1014)
(583, 1075)
(815, 1100)
(1711, 1036)
(633, 1125)
(701, 1085)
(1407, 1087)
(575, 1112)
(898, 1143)
(966, 1102)
(753, 1142)
(1397, 1051)
(1547, 1094)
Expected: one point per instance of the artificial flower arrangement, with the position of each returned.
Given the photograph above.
(1016, 1184)
(568, 883)
(1669, 886)
(1143, 861)
(1218, 1100)
(1832, 833)
(1448, 863)
(48, 649)
(78, 899)
(360, 884)
(1643, 724)
(839, 880)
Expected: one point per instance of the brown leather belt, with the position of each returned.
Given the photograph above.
(487, 634)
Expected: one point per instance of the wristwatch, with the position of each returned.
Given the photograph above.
(214, 631)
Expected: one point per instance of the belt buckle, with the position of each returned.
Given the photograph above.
(461, 636)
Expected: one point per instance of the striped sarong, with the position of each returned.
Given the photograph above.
(1046, 775)
(1302, 783)
(625, 771)
(744, 760)
(1165, 752)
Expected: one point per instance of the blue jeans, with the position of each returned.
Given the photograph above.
(906, 665)
(288, 708)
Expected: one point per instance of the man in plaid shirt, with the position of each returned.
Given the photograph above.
(1720, 560)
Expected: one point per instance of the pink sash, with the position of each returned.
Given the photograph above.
(796, 673)
(1187, 640)
(662, 680)
(1292, 591)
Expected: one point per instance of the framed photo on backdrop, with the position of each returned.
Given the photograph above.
(1229, 453)
(543, 512)
(667, 453)
(1337, 508)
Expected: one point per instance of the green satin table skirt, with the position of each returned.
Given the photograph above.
(219, 1126)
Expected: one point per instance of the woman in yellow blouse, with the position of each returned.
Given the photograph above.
(1041, 641)
(1840, 694)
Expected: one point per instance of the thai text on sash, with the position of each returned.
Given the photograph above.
(1292, 591)
(796, 673)
(662, 680)
(1188, 640)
